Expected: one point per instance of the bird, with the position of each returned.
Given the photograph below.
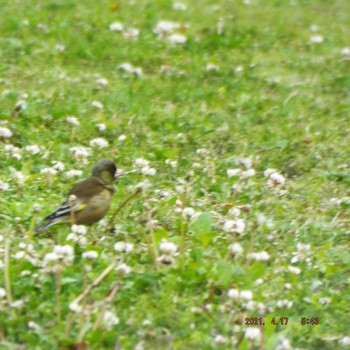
(88, 201)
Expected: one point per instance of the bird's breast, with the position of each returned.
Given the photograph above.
(96, 208)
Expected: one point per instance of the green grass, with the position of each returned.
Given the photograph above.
(286, 108)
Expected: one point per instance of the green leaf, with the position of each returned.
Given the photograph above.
(160, 234)
(202, 228)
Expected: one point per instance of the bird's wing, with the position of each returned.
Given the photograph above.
(87, 189)
(83, 191)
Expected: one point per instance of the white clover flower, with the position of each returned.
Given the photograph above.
(102, 81)
(165, 27)
(239, 69)
(48, 171)
(284, 304)
(123, 247)
(131, 34)
(75, 307)
(21, 105)
(220, 339)
(324, 301)
(91, 255)
(33, 149)
(34, 325)
(235, 249)
(172, 163)
(345, 51)
(4, 186)
(177, 38)
(269, 171)
(79, 229)
(2, 293)
(250, 305)
(246, 162)
(116, 27)
(252, 333)
(167, 247)
(233, 172)
(235, 212)
(51, 257)
(261, 219)
(246, 294)
(188, 212)
(143, 185)
(278, 178)
(17, 304)
(212, 67)
(97, 104)
(58, 166)
(234, 226)
(294, 269)
(300, 255)
(19, 255)
(148, 171)
(72, 237)
(283, 344)
(260, 256)
(146, 323)
(73, 121)
(80, 153)
(336, 201)
(60, 47)
(24, 245)
(122, 138)
(101, 127)
(178, 203)
(287, 286)
(316, 39)
(43, 27)
(127, 67)
(275, 179)
(162, 193)
(64, 251)
(73, 173)
(259, 281)
(233, 293)
(110, 319)
(99, 143)
(25, 273)
(247, 173)
(14, 151)
(203, 151)
(128, 247)
(344, 341)
(303, 247)
(141, 163)
(123, 269)
(179, 6)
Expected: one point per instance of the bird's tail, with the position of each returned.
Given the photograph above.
(45, 226)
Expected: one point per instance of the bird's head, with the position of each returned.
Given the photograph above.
(105, 170)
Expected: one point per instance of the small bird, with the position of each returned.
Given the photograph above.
(89, 200)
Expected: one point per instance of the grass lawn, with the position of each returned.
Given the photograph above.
(230, 120)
